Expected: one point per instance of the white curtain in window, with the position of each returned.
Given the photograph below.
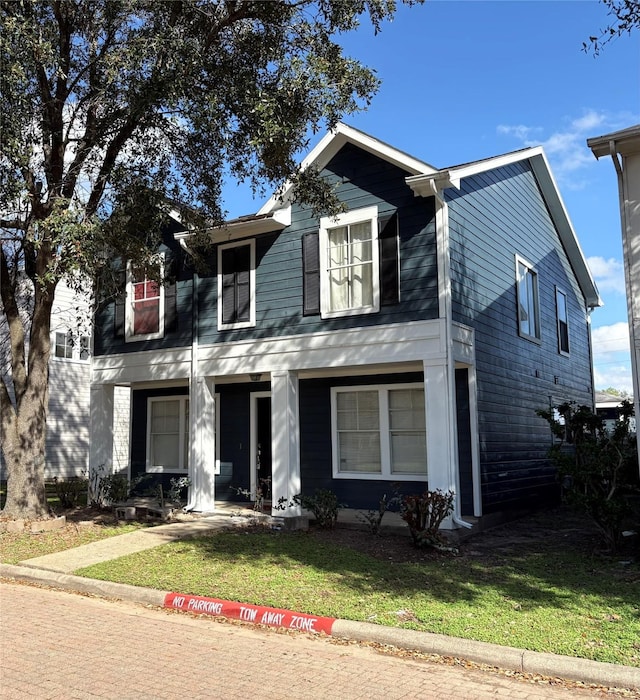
(350, 266)
(359, 431)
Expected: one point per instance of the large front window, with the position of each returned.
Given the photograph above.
(379, 432)
(168, 434)
(349, 263)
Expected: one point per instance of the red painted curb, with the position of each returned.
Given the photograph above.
(246, 612)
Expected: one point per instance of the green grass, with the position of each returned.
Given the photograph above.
(552, 599)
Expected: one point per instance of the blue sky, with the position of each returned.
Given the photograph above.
(467, 80)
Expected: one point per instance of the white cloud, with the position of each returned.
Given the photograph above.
(567, 146)
(617, 376)
(608, 274)
(607, 340)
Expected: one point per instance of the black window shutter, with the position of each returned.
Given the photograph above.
(170, 295)
(311, 273)
(118, 311)
(389, 259)
(236, 284)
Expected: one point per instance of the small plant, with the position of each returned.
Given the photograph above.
(69, 491)
(373, 518)
(424, 514)
(177, 486)
(323, 504)
(115, 488)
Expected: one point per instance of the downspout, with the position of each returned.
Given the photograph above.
(628, 287)
(442, 206)
(193, 489)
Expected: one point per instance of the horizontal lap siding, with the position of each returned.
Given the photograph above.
(494, 217)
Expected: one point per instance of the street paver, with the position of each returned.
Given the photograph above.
(55, 644)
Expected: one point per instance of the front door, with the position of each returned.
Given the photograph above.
(261, 445)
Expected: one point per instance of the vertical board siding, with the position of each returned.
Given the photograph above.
(495, 216)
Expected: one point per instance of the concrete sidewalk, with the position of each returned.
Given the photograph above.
(54, 570)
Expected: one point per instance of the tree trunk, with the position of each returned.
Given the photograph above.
(24, 424)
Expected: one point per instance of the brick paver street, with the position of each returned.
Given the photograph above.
(62, 645)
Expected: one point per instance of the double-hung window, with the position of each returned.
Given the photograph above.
(349, 280)
(562, 318)
(71, 347)
(168, 434)
(145, 305)
(379, 432)
(236, 285)
(528, 301)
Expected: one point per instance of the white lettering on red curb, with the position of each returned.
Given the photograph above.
(249, 613)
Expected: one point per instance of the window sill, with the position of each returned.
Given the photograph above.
(370, 476)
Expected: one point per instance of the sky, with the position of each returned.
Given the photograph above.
(463, 81)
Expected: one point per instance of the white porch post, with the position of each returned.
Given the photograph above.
(441, 453)
(202, 453)
(101, 428)
(285, 433)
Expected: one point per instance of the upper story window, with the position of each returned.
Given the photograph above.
(528, 300)
(145, 305)
(71, 347)
(349, 279)
(562, 318)
(379, 432)
(236, 285)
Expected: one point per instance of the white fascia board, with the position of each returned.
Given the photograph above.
(333, 141)
(625, 142)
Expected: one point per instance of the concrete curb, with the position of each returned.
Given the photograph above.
(554, 665)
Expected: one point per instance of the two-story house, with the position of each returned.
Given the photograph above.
(409, 340)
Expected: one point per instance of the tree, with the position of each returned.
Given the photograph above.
(625, 16)
(111, 109)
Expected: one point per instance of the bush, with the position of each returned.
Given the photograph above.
(598, 469)
(373, 518)
(424, 514)
(323, 504)
(70, 491)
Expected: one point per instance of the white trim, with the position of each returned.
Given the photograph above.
(313, 354)
(384, 429)
(536, 338)
(332, 142)
(129, 336)
(357, 216)
(183, 430)
(253, 435)
(252, 284)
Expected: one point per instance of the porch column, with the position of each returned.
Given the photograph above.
(439, 411)
(202, 453)
(285, 433)
(101, 429)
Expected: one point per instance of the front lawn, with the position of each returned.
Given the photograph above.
(533, 585)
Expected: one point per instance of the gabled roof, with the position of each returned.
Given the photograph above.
(333, 141)
(625, 142)
(434, 183)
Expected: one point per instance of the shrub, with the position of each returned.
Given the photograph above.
(424, 514)
(598, 469)
(323, 504)
(373, 518)
(69, 491)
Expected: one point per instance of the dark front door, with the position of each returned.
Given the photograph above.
(263, 458)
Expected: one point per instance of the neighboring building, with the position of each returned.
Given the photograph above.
(624, 149)
(608, 408)
(409, 340)
(67, 447)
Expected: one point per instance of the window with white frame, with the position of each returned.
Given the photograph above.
(528, 302)
(236, 285)
(168, 434)
(379, 432)
(349, 280)
(145, 304)
(562, 318)
(70, 346)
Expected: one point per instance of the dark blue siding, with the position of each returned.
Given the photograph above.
(494, 217)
